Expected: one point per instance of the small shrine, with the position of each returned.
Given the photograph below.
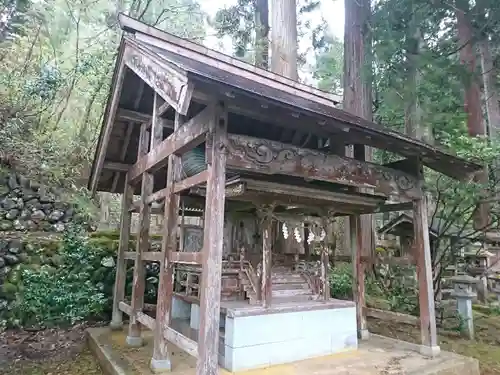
(260, 159)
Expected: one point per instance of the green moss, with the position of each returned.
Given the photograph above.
(104, 243)
(56, 260)
(15, 275)
(51, 248)
(115, 235)
(109, 234)
(9, 291)
(30, 247)
(48, 247)
(24, 258)
(35, 259)
(4, 190)
(45, 259)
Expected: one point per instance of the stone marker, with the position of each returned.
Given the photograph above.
(464, 293)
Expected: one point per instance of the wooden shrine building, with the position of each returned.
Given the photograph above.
(261, 159)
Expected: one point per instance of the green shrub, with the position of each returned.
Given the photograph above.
(68, 293)
(341, 281)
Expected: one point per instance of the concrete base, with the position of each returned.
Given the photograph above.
(194, 319)
(180, 309)
(134, 342)
(430, 351)
(160, 366)
(363, 334)
(116, 325)
(271, 339)
(376, 355)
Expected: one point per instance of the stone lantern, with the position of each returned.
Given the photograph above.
(496, 288)
(464, 293)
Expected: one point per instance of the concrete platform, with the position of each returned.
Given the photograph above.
(378, 355)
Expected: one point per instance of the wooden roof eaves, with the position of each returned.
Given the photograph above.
(175, 43)
(336, 120)
(394, 223)
(329, 124)
(107, 125)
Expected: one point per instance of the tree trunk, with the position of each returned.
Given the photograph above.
(472, 100)
(262, 34)
(490, 91)
(357, 59)
(489, 81)
(358, 101)
(284, 38)
(414, 126)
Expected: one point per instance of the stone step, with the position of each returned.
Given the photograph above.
(291, 292)
(290, 286)
(283, 279)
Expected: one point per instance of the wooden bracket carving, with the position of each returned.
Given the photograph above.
(270, 157)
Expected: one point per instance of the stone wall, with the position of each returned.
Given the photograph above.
(17, 253)
(32, 219)
(29, 206)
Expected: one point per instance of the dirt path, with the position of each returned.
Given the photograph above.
(47, 352)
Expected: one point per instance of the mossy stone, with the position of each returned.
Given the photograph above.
(48, 268)
(109, 234)
(9, 291)
(51, 248)
(103, 242)
(15, 275)
(4, 190)
(24, 258)
(35, 259)
(30, 247)
(44, 259)
(5, 225)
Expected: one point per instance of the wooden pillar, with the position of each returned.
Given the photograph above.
(134, 331)
(325, 279)
(208, 338)
(121, 269)
(325, 258)
(358, 274)
(424, 273)
(266, 285)
(160, 362)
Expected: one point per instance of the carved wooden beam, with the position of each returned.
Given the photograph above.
(166, 80)
(270, 157)
(186, 137)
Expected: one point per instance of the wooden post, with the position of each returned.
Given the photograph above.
(325, 258)
(160, 362)
(324, 271)
(119, 290)
(325, 280)
(266, 286)
(134, 331)
(424, 273)
(358, 274)
(208, 339)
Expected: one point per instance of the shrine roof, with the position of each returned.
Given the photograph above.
(250, 92)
